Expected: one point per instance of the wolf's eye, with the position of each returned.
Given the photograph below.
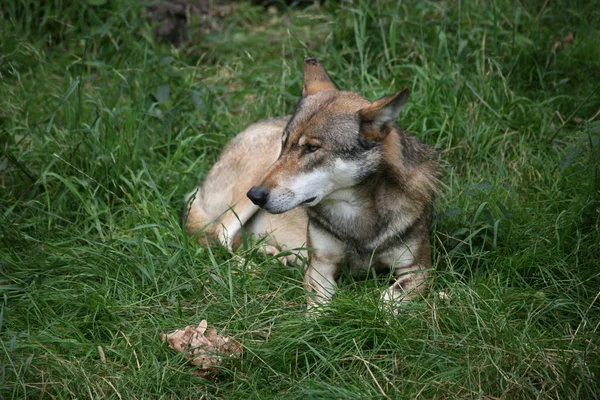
(310, 148)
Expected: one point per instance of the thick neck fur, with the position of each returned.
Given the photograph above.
(388, 202)
(410, 163)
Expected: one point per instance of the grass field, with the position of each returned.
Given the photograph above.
(103, 129)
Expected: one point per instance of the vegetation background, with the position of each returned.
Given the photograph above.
(104, 128)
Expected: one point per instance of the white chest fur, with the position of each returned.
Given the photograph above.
(342, 206)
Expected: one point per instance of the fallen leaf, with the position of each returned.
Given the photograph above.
(203, 348)
(567, 40)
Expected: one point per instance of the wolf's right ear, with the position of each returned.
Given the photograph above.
(377, 119)
(315, 78)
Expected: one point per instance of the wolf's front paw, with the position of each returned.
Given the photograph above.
(392, 299)
(316, 306)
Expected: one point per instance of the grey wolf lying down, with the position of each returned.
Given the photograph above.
(338, 177)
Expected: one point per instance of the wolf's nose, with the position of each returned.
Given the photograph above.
(258, 195)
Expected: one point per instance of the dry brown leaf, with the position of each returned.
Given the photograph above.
(203, 348)
(567, 40)
(565, 43)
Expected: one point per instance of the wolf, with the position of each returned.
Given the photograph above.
(338, 180)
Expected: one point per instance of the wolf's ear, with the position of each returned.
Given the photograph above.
(377, 119)
(315, 78)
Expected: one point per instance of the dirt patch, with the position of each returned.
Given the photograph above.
(173, 17)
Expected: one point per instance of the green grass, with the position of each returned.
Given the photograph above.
(103, 130)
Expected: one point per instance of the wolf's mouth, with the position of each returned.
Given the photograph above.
(309, 200)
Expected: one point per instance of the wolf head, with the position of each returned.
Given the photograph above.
(332, 142)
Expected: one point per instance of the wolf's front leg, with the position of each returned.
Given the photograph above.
(409, 283)
(411, 263)
(324, 256)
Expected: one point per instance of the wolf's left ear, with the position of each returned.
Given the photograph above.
(377, 119)
(315, 78)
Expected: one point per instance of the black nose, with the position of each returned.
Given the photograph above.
(258, 195)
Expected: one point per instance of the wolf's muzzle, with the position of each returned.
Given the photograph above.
(258, 195)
